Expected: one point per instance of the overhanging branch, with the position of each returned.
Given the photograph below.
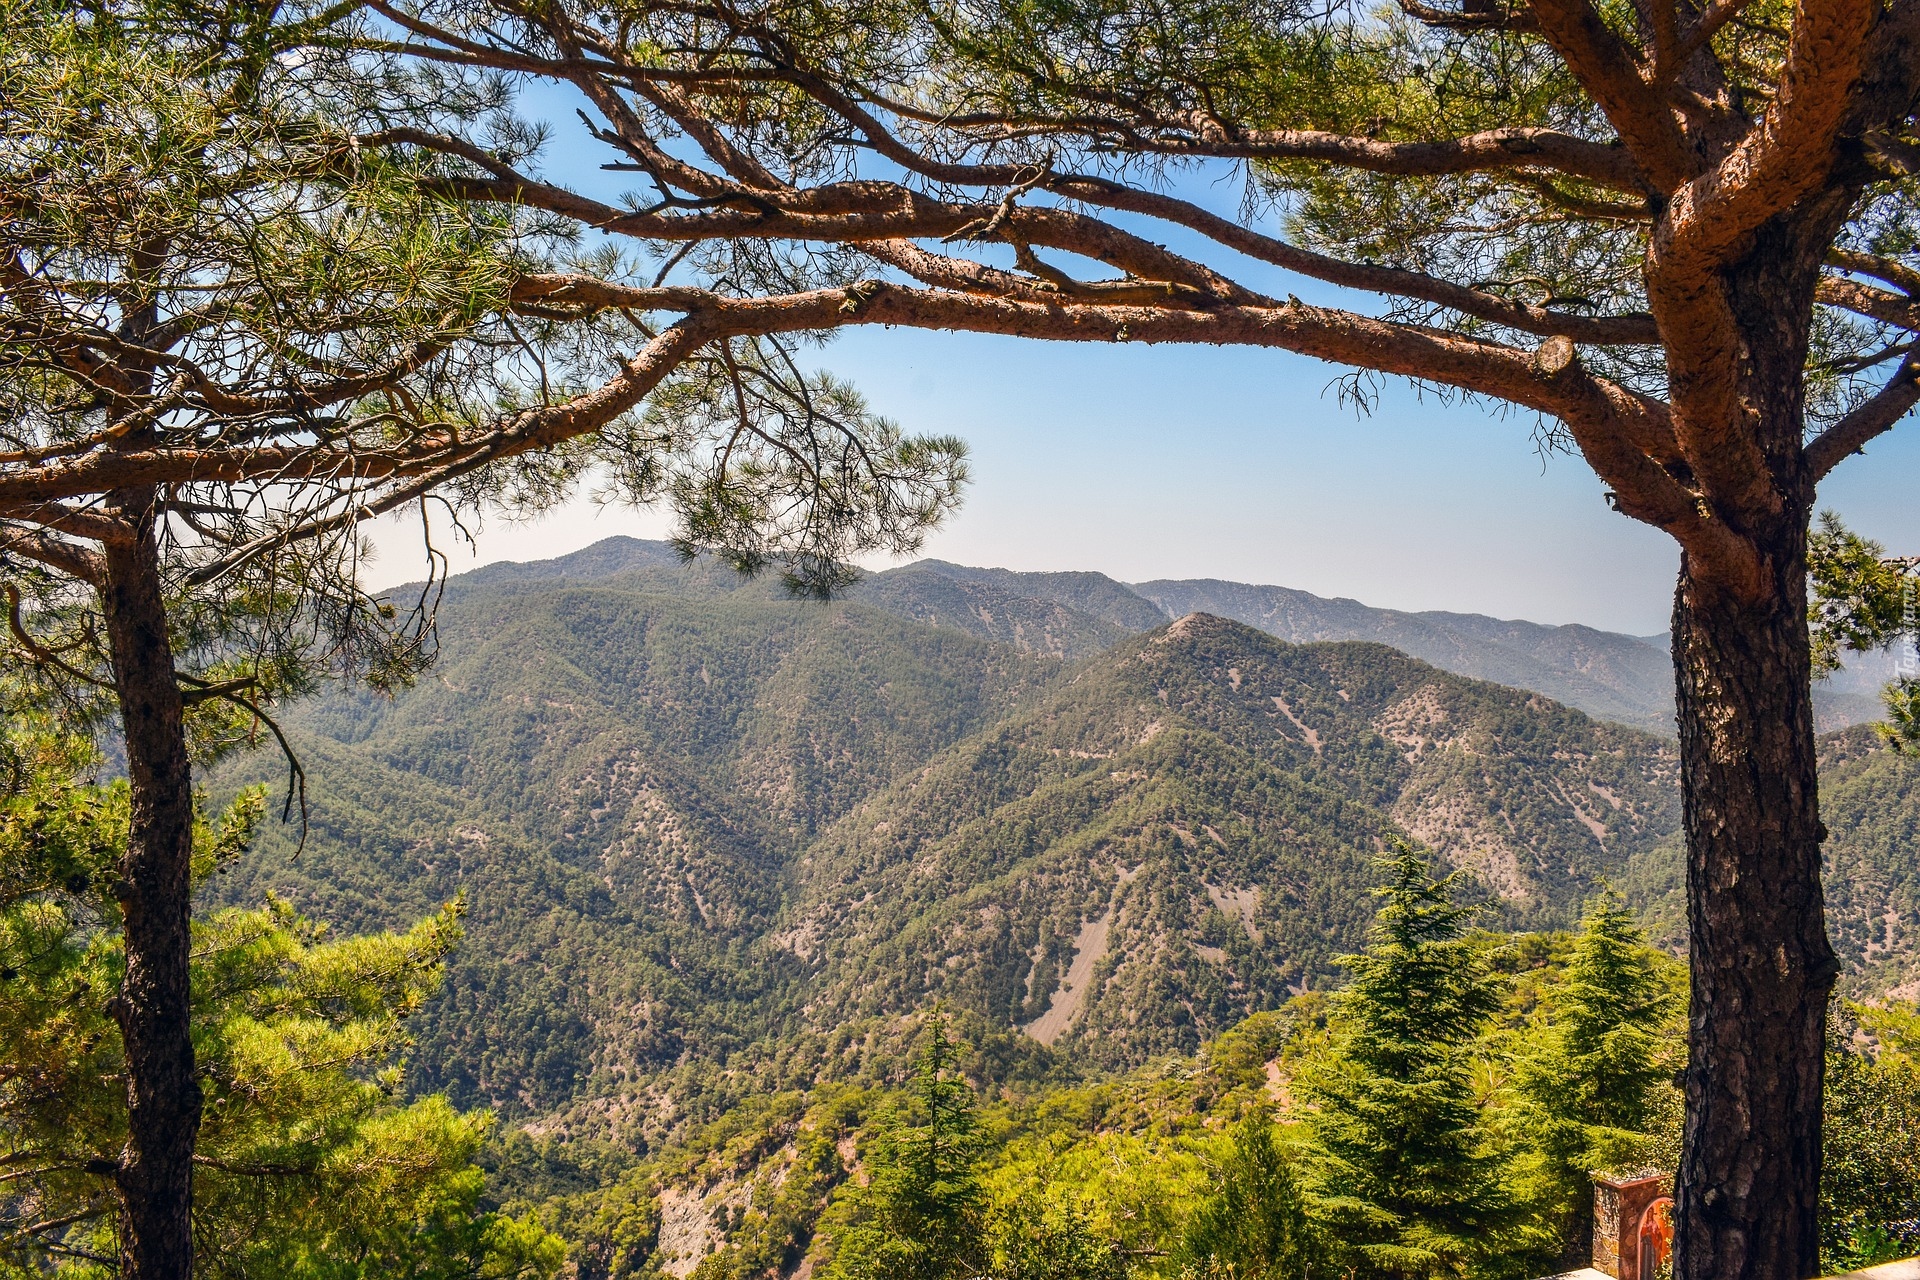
(1849, 435)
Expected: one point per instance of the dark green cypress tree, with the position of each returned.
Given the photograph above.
(1403, 1176)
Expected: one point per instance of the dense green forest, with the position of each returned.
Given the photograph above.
(720, 853)
(1371, 1132)
(1444, 1111)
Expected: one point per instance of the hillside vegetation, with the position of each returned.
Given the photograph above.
(715, 841)
(1180, 832)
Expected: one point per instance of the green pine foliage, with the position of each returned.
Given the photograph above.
(312, 1163)
(1058, 1241)
(1404, 1176)
(921, 1215)
(926, 1213)
(1864, 599)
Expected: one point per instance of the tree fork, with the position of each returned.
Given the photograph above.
(155, 1175)
(1761, 967)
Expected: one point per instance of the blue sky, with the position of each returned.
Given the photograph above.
(1241, 464)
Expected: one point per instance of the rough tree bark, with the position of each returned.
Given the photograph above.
(155, 1173)
(1761, 966)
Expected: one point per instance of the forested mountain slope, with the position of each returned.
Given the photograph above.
(1183, 830)
(619, 777)
(1612, 676)
(1013, 612)
(715, 839)
(1870, 802)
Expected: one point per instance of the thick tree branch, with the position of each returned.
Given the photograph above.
(1509, 148)
(71, 521)
(1897, 274)
(1470, 18)
(865, 211)
(1784, 158)
(69, 558)
(1875, 304)
(897, 213)
(1607, 69)
(1786, 155)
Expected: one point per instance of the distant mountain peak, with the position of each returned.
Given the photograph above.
(1189, 626)
(1072, 615)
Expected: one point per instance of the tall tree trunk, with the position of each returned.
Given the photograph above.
(1761, 966)
(155, 1177)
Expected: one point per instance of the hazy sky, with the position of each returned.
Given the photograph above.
(1233, 463)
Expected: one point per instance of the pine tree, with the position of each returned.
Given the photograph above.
(311, 1165)
(1403, 1177)
(921, 1217)
(1254, 1226)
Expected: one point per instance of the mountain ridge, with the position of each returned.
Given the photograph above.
(674, 768)
(720, 851)
(1074, 615)
(720, 840)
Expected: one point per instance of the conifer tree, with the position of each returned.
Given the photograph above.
(243, 334)
(1865, 600)
(1588, 1088)
(1254, 1226)
(312, 1167)
(1403, 1178)
(921, 1217)
(1612, 1008)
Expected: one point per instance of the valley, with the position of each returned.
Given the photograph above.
(713, 842)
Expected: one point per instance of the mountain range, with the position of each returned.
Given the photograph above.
(713, 841)
(1609, 675)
